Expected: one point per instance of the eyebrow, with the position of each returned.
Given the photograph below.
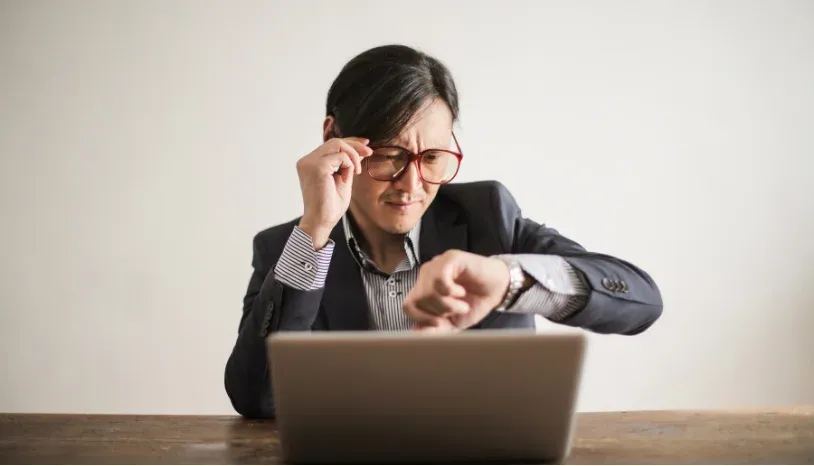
(404, 146)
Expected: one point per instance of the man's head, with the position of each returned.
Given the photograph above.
(400, 98)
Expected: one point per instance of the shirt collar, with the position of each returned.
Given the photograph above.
(364, 261)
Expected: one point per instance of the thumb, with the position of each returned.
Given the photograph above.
(344, 175)
(446, 285)
(435, 327)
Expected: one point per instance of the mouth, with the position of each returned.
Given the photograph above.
(401, 206)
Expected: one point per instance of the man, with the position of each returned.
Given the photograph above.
(385, 243)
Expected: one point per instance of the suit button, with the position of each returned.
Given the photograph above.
(264, 330)
(267, 317)
(608, 284)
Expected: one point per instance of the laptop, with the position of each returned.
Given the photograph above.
(408, 397)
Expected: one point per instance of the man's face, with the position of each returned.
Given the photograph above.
(397, 206)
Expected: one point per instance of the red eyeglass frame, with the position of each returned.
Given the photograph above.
(416, 158)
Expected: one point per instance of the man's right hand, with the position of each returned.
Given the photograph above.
(326, 178)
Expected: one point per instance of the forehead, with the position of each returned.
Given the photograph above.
(431, 127)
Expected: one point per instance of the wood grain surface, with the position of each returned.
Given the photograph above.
(783, 436)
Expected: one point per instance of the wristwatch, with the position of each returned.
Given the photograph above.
(516, 280)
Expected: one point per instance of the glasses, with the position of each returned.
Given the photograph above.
(435, 166)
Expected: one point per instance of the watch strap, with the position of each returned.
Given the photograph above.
(516, 280)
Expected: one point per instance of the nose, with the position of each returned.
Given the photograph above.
(410, 181)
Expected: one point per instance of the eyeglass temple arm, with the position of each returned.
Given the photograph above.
(458, 145)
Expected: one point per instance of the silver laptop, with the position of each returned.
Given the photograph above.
(477, 396)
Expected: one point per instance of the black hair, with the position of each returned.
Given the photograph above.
(379, 91)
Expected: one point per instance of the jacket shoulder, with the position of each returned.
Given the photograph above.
(487, 207)
(484, 198)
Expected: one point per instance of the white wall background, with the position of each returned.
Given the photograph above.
(145, 142)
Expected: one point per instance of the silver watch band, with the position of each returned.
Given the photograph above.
(516, 280)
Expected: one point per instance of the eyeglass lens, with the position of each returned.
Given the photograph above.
(434, 166)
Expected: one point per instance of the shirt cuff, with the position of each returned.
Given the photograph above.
(558, 291)
(300, 266)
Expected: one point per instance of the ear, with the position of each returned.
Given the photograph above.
(328, 128)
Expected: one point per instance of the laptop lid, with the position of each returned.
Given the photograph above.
(489, 395)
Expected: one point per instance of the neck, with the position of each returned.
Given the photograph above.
(385, 249)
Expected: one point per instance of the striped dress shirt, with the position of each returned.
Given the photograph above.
(558, 290)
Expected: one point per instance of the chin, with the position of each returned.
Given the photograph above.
(399, 224)
(398, 228)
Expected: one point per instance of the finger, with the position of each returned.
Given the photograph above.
(360, 145)
(445, 284)
(353, 154)
(348, 148)
(338, 145)
(442, 306)
(419, 317)
(337, 161)
(339, 164)
(445, 327)
(465, 320)
(357, 141)
(347, 168)
(362, 149)
(424, 328)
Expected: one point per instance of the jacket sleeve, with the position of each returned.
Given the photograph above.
(622, 298)
(269, 306)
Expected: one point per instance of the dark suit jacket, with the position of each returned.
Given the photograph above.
(480, 217)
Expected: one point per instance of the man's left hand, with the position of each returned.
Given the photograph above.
(456, 290)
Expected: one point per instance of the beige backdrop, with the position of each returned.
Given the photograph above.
(144, 143)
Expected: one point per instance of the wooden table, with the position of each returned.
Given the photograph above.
(783, 436)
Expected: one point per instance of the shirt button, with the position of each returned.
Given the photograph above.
(391, 281)
(392, 293)
(308, 267)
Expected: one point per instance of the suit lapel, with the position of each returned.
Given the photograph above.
(344, 300)
(442, 229)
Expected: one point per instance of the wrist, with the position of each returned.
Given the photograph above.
(505, 278)
(319, 234)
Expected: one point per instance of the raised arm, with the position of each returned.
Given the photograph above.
(606, 294)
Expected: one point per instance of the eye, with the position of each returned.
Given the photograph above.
(433, 157)
(387, 155)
